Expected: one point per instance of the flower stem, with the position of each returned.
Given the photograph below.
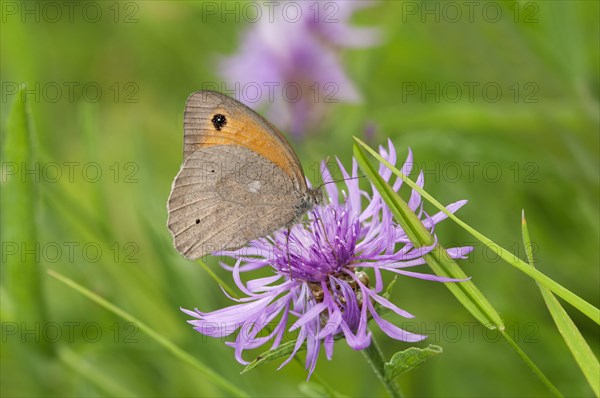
(375, 358)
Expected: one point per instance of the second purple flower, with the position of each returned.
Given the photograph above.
(289, 61)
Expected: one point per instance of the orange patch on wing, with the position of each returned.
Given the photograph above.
(243, 130)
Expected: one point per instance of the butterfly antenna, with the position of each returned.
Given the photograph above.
(287, 249)
(340, 180)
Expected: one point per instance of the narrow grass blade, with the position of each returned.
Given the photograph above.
(216, 278)
(19, 198)
(161, 340)
(576, 301)
(531, 365)
(88, 121)
(466, 292)
(582, 352)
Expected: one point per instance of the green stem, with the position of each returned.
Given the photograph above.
(375, 358)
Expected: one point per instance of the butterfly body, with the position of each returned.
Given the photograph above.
(240, 179)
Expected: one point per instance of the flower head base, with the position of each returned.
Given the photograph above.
(326, 273)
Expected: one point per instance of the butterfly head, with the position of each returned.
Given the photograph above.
(315, 196)
(309, 200)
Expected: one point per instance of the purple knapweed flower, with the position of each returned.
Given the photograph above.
(288, 61)
(327, 275)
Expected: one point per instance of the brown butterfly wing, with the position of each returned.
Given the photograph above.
(242, 127)
(240, 179)
(219, 206)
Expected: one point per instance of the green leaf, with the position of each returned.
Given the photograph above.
(585, 358)
(19, 200)
(407, 360)
(576, 301)
(283, 350)
(441, 264)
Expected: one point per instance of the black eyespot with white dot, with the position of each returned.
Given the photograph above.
(219, 121)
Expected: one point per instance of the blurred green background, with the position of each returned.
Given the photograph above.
(540, 133)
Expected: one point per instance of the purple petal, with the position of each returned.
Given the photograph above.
(330, 186)
(313, 346)
(427, 277)
(309, 315)
(358, 341)
(259, 284)
(440, 216)
(459, 252)
(406, 169)
(415, 197)
(299, 341)
(392, 330)
(387, 304)
(329, 343)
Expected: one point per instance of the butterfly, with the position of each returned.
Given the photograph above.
(240, 179)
